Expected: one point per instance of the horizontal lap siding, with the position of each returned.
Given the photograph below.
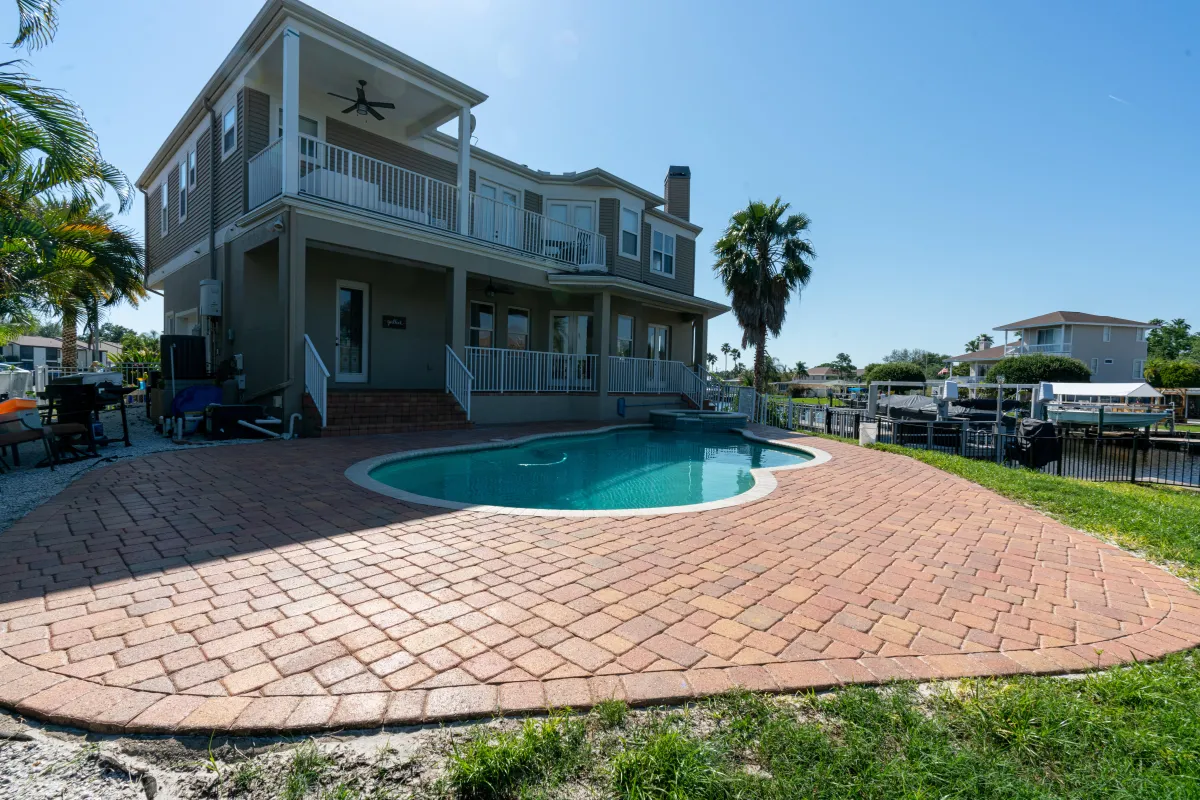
(608, 228)
(372, 145)
(181, 234)
(685, 264)
(231, 170)
(258, 133)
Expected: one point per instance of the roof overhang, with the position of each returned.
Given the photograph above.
(590, 177)
(683, 223)
(259, 33)
(643, 291)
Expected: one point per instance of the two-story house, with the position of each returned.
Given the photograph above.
(1114, 349)
(358, 248)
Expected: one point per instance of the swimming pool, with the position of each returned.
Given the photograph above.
(637, 468)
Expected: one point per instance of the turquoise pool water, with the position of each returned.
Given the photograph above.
(640, 468)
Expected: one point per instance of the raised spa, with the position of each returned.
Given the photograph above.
(688, 420)
(628, 469)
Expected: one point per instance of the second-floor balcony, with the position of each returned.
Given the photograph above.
(1054, 348)
(342, 176)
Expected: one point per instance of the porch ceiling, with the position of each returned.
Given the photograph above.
(651, 295)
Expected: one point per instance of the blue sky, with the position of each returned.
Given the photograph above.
(964, 164)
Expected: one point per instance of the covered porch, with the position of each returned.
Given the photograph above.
(549, 347)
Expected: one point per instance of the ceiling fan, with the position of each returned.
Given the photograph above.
(362, 105)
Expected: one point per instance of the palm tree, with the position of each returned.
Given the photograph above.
(761, 259)
(95, 265)
(801, 370)
(726, 350)
(711, 359)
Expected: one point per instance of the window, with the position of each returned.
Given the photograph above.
(1139, 369)
(307, 126)
(163, 209)
(183, 189)
(191, 169)
(630, 233)
(229, 132)
(1095, 365)
(1108, 361)
(518, 329)
(662, 253)
(483, 324)
(577, 214)
(1107, 333)
(1141, 334)
(624, 336)
(26, 356)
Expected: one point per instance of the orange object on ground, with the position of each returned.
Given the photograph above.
(17, 404)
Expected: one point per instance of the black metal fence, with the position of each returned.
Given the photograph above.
(1132, 458)
(783, 412)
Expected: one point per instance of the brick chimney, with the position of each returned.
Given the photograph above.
(677, 188)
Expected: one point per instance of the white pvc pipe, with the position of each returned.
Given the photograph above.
(291, 433)
(254, 427)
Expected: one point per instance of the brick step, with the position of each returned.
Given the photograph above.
(353, 413)
(356, 429)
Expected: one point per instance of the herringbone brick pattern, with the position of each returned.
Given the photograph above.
(255, 589)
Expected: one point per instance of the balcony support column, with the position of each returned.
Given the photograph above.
(456, 310)
(464, 170)
(701, 342)
(602, 319)
(290, 104)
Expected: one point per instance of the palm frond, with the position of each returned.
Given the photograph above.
(38, 23)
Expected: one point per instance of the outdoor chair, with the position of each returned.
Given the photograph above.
(68, 423)
(17, 428)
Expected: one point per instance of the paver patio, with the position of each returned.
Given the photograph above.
(255, 588)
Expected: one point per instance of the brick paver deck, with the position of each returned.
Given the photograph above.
(256, 589)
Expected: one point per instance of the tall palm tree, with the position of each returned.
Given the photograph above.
(711, 358)
(96, 264)
(726, 350)
(801, 370)
(761, 259)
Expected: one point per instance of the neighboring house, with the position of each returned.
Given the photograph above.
(819, 377)
(364, 238)
(1113, 348)
(28, 352)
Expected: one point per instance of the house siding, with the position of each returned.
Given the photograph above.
(181, 234)
(608, 228)
(619, 265)
(258, 135)
(685, 264)
(372, 145)
(231, 170)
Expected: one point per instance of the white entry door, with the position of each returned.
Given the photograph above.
(658, 349)
(499, 214)
(352, 347)
(570, 341)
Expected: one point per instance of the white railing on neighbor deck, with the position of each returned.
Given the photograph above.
(265, 170)
(494, 221)
(498, 370)
(458, 380)
(343, 176)
(1024, 349)
(316, 378)
(654, 376)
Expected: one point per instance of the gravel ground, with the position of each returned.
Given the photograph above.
(24, 489)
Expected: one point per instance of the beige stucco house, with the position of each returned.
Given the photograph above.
(1113, 348)
(350, 236)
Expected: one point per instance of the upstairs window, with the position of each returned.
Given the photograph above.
(662, 253)
(1141, 334)
(163, 209)
(1139, 369)
(229, 132)
(191, 169)
(183, 189)
(1107, 333)
(630, 233)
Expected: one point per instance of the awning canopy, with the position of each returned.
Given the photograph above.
(1131, 389)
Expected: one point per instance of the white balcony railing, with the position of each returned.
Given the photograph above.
(654, 376)
(265, 171)
(1026, 349)
(344, 176)
(499, 370)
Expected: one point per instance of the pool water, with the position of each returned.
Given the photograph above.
(639, 468)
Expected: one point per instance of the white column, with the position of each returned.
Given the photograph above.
(464, 169)
(290, 103)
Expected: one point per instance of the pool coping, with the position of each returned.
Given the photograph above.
(764, 481)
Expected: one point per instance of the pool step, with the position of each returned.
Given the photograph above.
(369, 411)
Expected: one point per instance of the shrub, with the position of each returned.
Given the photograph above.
(895, 371)
(1177, 374)
(1039, 367)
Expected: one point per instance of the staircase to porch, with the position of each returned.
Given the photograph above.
(370, 411)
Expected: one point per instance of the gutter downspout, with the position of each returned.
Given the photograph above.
(212, 189)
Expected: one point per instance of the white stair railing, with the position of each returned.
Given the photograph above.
(500, 370)
(316, 378)
(458, 380)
